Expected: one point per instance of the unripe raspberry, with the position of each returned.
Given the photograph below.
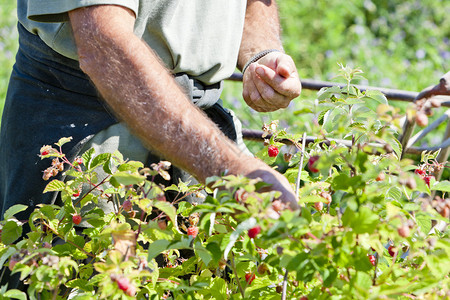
(253, 232)
(380, 177)
(76, 219)
(312, 163)
(326, 196)
(435, 103)
(273, 151)
(241, 195)
(194, 219)
(162, 224)
(421, 119)
(277, 205)
(318, 206)
(127, 205)
(192, 231)
(403, 231)
(262, 269)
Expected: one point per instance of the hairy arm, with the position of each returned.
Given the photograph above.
(143, 93)
(271, 82)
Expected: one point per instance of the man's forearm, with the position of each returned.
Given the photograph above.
(261, 29)
(144, 94)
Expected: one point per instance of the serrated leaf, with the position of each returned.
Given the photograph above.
(394, 193)
(63, 141)
(14, 210)
(376, 95)
(54, 186)
(87, 157)
(246, 225)
(99, 159)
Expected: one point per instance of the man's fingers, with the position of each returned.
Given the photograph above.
(289, 87)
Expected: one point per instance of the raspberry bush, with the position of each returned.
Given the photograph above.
(366, 228)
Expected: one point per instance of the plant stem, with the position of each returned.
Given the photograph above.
(233, 266)
(300, 166)
(283, 293)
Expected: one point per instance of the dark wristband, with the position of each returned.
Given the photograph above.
(257, 56)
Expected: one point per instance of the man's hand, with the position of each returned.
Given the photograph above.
(271, 82)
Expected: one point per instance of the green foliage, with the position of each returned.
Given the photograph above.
(364, 231)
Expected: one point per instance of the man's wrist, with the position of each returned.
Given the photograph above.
(258, 56)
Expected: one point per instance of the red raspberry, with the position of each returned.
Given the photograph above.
(123, 283)
(273, 151)
(79, 160)
(253, 232)
(420, 172)
(311, 163)
(427, 180)
(76, 219)
(43, 153)
(391, 250)
(127, 205)
(192, 231)
(76, 194)
(372, 259)
(249, 277)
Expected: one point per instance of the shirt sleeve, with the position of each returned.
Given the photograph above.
(50, 11)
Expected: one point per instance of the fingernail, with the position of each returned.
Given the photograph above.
(260, 71)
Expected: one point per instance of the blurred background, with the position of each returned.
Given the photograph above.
(398, 44)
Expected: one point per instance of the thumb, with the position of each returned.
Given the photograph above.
(285, 66)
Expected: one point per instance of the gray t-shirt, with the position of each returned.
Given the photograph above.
(200, 38)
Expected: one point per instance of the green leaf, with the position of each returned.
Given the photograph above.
(202, 253)
(424, 222)
(11, 231)
(168, 209)
(362, 221)
(126, 179)
(15, 294)
(394, 193)
(99, 159)
(344, 182)
(246, 225)
(63, 141)
(156, 248)
(14, 210)
(7, 254)
(443, 186)
(54, 186)
(377, 96)
(87, 157)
